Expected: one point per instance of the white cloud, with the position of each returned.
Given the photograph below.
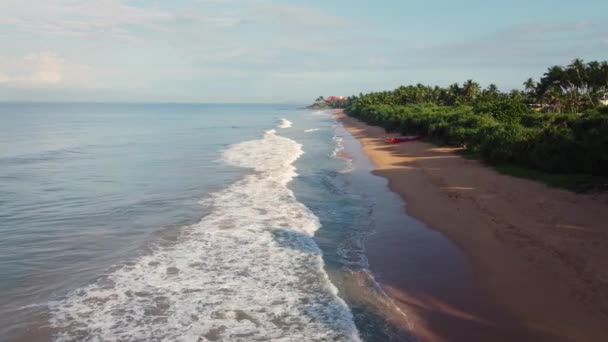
(42, 69)
(536, 44)
(301, 16)
(80, 18)
(183, 43)
(45, 67)
(126, 21)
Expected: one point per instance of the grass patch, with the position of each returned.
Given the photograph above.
(580, 183)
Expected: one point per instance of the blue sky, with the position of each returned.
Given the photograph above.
(281, 51)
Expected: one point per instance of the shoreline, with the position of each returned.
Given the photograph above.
(540, 265)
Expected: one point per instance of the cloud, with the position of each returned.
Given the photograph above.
(301, 17)
(547, 28)
(42, 69)
(143, 46)
(528, 44)
(134, 22)
(79, 18)
(217, 24)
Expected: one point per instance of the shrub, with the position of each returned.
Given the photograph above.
(556, 150)
(507, 111)
(504, 143)
(503, 131)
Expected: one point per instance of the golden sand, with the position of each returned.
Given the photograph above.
(540, 253)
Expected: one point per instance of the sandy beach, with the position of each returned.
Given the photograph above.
(539, 255)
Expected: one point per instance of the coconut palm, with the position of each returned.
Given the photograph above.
(530, 86)
(470, 90)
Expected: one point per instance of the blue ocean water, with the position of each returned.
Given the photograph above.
(180, 222)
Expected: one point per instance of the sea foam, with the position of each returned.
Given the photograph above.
(338, 152)
(249, 270)
(284, 123)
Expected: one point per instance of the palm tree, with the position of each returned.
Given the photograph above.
(454, 93)
(597, 76)
(492, 89)
(603, 80)
(577, 77)
(555, 74)
(531, 88)
(579, 70)
(530, 85)
(470, 90)
(554, 81)
(554, 98)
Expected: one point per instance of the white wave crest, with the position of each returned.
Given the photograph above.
(249, 270)
(284, 123)
(339, 145)
(338, 152)
(311, 130)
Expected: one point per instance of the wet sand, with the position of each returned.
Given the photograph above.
(539, 256)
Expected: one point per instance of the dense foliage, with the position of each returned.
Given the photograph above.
(507, 127)
(574, 88)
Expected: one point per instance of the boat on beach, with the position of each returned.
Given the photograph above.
(401, 139)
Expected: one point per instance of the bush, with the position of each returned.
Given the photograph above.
(505, 143)
(507, 111)
(503, 131)
(556, 150)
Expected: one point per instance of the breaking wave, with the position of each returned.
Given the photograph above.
(284, 123)
(249, 270)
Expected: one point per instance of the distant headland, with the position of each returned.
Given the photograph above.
(331, 102)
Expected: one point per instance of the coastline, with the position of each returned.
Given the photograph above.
(538, 254)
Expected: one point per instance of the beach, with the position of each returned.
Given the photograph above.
(538, 254)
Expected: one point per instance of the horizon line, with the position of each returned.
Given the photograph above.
(147, 103)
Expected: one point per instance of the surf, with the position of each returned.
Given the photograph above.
(284, 123)
(249, 270)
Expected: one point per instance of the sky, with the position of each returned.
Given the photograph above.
(282, 51)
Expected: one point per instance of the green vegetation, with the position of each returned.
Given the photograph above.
(572, 182)
(523, 133)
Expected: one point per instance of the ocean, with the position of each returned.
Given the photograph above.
(176, 222)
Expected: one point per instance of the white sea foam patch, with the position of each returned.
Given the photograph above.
(284, 123)
(338, 152)
(248, 271)
(310, 130)
(339, 145)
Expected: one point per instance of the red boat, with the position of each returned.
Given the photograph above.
(405, 138)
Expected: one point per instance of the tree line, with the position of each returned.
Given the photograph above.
(573, 88)
(557, 125)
